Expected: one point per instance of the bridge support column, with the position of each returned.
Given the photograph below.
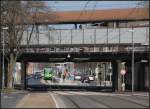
(140, 74)
(117, 66)
(114, 76)
(119, 74)
(23, 75)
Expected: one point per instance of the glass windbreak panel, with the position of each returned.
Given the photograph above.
(89, 36)
(34, 38)
(139, 35)
(24, 38)
(77, 36)
(125, 35)
(113, 36)
(65, 36)
(55, 37)
(101, 36)
(70, 74)
(43, 37)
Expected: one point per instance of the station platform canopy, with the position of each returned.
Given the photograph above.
(91, 16)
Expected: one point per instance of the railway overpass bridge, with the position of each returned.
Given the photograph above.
(113, 45)
(90, 45)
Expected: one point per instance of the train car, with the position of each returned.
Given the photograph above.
(48, 73)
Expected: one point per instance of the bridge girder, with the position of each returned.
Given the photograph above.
(82, 57)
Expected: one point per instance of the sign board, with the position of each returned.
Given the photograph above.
(123, 72)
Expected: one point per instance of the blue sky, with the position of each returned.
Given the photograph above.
(92, 5)
(79, 5)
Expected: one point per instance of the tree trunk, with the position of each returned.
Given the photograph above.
(10, 70)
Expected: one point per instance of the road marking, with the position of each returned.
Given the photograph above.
(5, 97)
(64, 93)
(88, 93)
(144, 95)
(56, 103)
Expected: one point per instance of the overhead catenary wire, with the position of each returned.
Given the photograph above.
(90, 6)
(112, 30)
(130, 13)
(84, 7)
(127, 16)
(92, 12)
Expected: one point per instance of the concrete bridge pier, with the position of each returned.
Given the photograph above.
(114, 76)
(141, 76)
(23, 75)
(117, 78)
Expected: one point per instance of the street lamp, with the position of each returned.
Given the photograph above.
(3, 76)
(132, 60)
(68, 56)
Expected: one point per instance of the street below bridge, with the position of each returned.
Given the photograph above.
(74, 99)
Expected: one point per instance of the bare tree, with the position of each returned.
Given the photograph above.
(18, 16)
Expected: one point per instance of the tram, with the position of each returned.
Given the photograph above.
(48, 73)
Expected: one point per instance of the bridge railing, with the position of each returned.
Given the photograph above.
(85, 49)
(88, 36)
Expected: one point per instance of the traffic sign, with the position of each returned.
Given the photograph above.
(123, 72)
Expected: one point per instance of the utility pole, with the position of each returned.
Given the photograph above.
(132, 62)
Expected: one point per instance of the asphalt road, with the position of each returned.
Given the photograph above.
(69, 99)
(85, 99)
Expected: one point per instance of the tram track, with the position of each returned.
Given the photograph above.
(77, 99)
(131, 101)
(69, 96)
(66, 98)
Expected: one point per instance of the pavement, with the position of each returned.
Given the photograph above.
(36, 100)
(10, 100)
(55, 99)
(27, 100)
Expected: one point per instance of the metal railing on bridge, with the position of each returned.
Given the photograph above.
(84, 49)
(88, 36)
(97, 40)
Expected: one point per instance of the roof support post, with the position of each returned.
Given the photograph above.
(75, 26)
(60, 38)
(83, 36)
(71, 36)
(37, 34)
